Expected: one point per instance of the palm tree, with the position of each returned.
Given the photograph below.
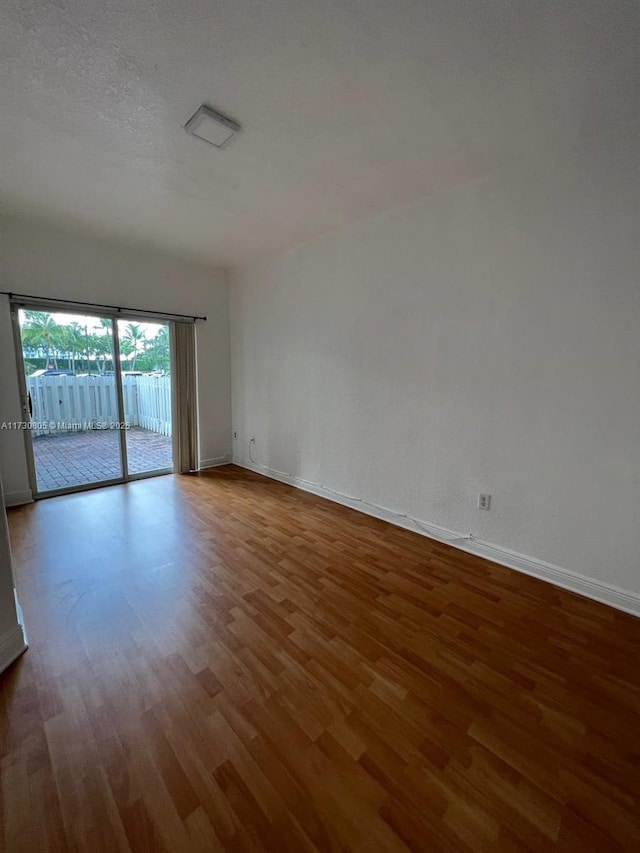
(75, 342)
(100, 348)
(158, 350)
(41, 332)
(102, 344)
(126, 349)
(135, 337)
(71, 339)
(64, 343)
(87, 343)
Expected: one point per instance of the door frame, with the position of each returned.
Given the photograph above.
(14, 306)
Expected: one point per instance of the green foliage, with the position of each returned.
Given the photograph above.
(135, 340)
(41, 334)
(156, 354)
(85, 348)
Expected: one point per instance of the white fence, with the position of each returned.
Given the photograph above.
(65, 403)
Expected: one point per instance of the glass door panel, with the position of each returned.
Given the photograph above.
(146, 390)
(73, 406)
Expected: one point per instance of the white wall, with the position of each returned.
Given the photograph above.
(484, 339)
(12, 638)
(42, 260)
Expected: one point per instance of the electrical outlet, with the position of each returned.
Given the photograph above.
(484, 501)
(235, 435)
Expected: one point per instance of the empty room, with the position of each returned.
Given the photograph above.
(319, 425)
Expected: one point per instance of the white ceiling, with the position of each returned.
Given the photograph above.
(348, 107)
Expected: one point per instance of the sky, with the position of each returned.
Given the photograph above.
(93, 322)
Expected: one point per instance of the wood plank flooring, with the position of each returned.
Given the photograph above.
(221, 662)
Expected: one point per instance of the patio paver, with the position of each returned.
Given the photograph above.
(77, 458)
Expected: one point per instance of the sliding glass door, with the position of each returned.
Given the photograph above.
(72, 399)
(97, 398)
(146, 385)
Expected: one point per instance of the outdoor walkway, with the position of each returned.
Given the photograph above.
(78, 458)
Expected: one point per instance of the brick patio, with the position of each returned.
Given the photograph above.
(78, 458)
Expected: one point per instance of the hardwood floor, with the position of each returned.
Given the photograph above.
(223, 662)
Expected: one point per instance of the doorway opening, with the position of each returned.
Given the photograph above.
(98, 398)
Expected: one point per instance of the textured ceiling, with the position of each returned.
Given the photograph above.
(348, 107)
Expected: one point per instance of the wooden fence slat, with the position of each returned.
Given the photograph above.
(85, 400)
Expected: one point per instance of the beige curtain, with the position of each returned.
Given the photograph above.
(185, 422)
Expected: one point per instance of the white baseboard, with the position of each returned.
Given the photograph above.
(215, 462)
(12, 645)
(598, 590)
(18, 498)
